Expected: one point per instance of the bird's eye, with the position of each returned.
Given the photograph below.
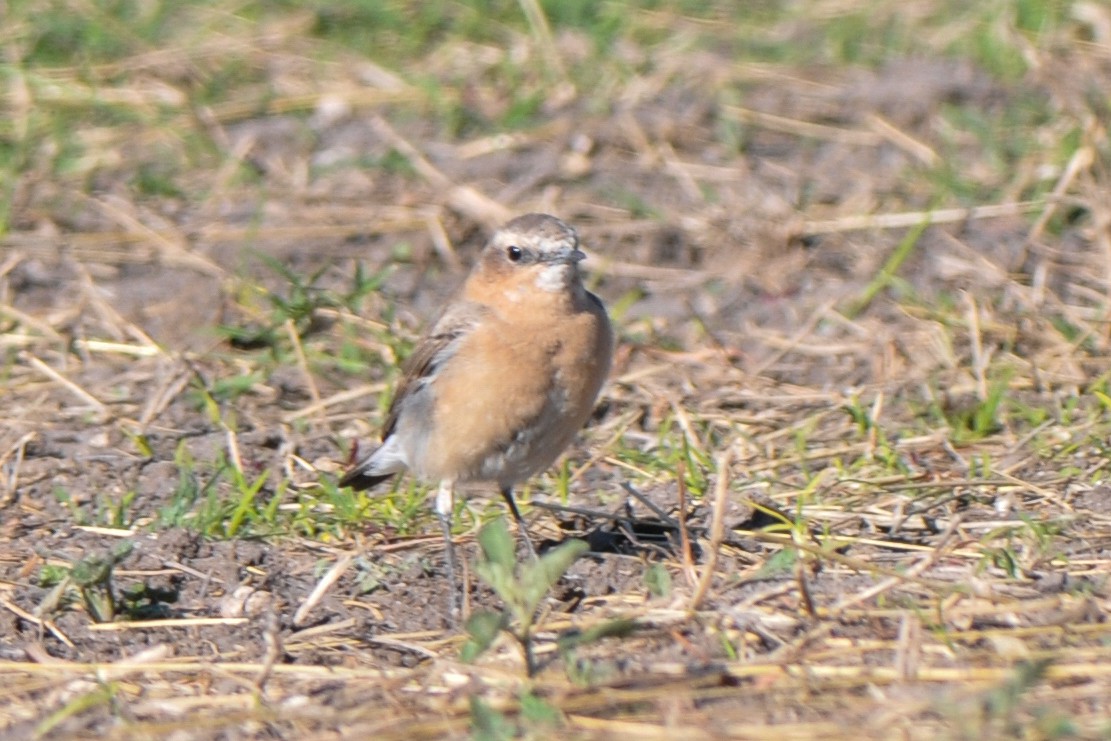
(515, 254)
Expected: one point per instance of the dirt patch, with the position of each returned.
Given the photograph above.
(916, 532)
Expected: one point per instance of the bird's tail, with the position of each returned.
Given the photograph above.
(359, 479)
(375, 468)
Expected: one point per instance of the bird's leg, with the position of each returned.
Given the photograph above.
(507, 494)
(445, 509)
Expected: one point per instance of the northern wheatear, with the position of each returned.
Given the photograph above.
(504, 379)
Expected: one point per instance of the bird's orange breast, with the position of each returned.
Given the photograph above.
(517, 390)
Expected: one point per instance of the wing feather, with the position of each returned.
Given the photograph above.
(434, 349)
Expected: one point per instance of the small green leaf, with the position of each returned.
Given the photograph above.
(91, 570)
(100, 696)
(247, 494)
(497, 544)
(135, 592)
(658, 580)
(483, 628)
(536, 711)
(585, 672)
(887, 275)
(99, 603)
(488, 724)
(122, 550)
(140, 441)
(779, 564)
(609, 629)
(50, 574)
(537, 578)
(500, 580)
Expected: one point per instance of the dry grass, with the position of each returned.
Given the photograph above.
(860, 259)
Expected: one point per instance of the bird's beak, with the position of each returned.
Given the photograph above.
(571, 255)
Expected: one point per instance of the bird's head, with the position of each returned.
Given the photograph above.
(534, 252)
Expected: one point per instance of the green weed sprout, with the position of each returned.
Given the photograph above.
(520, 587)
(92, 578)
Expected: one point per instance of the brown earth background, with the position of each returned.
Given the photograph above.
(859, 259)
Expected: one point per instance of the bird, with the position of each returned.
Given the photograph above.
(502, 381)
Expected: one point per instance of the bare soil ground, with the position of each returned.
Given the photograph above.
(905, 401)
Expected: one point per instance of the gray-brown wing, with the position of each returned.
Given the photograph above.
(434, 349)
